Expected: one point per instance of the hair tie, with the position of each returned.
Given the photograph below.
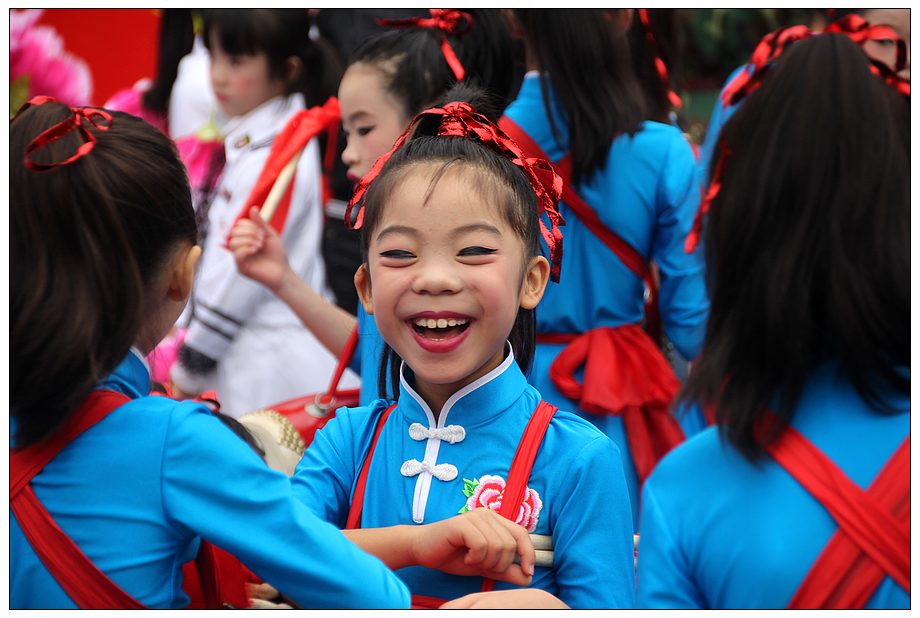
(446, 21)
(459, 119)
(660, 66)
(81, 116)
(775, 43)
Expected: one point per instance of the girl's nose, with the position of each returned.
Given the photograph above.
(436, 276)
(349, 155)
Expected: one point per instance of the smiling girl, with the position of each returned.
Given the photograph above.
(451, 226)
(390, 78)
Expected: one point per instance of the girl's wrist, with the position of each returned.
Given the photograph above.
(289, 283)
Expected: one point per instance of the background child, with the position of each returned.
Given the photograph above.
(242, 341)
(391, 78)
(453, 272)
(807, 250)
(636, 177)
(102, 222)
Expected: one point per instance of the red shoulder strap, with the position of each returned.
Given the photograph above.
(293, 138)
(521, 465)
(357, 500)
(83, 582)
(874, 535)
(623, 250)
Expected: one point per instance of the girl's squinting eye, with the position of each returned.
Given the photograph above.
(362, 131)
(397, 253)
(477, 251)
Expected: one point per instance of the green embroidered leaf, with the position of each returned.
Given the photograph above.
(469, 487)
(463, 510)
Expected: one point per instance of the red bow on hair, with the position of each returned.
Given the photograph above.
(80, 116)
(459, 119)
(772, 46)
(660, 66)
(447, 21)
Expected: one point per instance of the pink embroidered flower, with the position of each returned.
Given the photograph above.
(39, 64)
(488, 491)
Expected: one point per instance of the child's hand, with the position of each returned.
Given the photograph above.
(479, 542)
(528, 598)
(258, 251)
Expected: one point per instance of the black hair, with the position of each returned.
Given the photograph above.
(510, 188)
(176, 38)
(87, 240)
(417, 75)
(280, 34)
(591, 73)
(807, 243)
(662, 23)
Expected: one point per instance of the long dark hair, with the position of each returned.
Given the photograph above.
(280, 34)
(417, 74)
(808, 241)
(591, 73)
(176, 38)
(87, 239)
(509, 187)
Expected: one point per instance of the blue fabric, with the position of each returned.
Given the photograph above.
(718, 118)
(138, 490)
(647, 193)
(720, 532)
(367, 357)
(577, 474)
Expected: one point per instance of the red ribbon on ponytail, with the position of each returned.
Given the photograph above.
(459, 119)
(660, 66)
(81, 115)
(853, 26)
(696, 232)
(446, 21)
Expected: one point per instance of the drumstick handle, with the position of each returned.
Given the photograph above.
(278, 189)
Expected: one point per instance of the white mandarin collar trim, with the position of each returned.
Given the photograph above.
(140, 357)
(262, 122)
(460, 394)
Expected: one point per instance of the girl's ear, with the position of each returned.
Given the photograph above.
(292, 67)
(183, 273)
(535, 279)
(363, 286)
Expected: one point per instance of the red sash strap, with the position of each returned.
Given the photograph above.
(874, 535)
(82, 580)
(293, 138)
(626, 253)
(521, 465)
(357, 501)
(625, 375)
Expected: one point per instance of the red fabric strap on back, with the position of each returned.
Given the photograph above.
(83, 582)
(623, 250)
(357, 501)
(521, 465)
(873, 523)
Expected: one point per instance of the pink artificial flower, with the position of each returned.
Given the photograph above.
(488, 492)
(40, 66)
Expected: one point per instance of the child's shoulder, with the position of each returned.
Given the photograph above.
(573, 433)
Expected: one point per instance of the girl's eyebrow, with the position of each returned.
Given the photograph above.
(356, 116)
(456, 232)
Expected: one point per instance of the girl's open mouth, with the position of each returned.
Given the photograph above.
(440, 329)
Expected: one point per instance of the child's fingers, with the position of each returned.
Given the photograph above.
(502, 546)
(523, 546)
(513, 575)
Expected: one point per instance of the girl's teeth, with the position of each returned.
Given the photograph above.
(440, 322)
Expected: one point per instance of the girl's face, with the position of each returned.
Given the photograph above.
(886, 51)
(372, 118)
(241, 82)
(444, 278)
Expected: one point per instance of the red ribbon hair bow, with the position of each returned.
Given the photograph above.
(772, 46)
(660, 66)
(459, 119)
(78, 121)
(446, 21)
